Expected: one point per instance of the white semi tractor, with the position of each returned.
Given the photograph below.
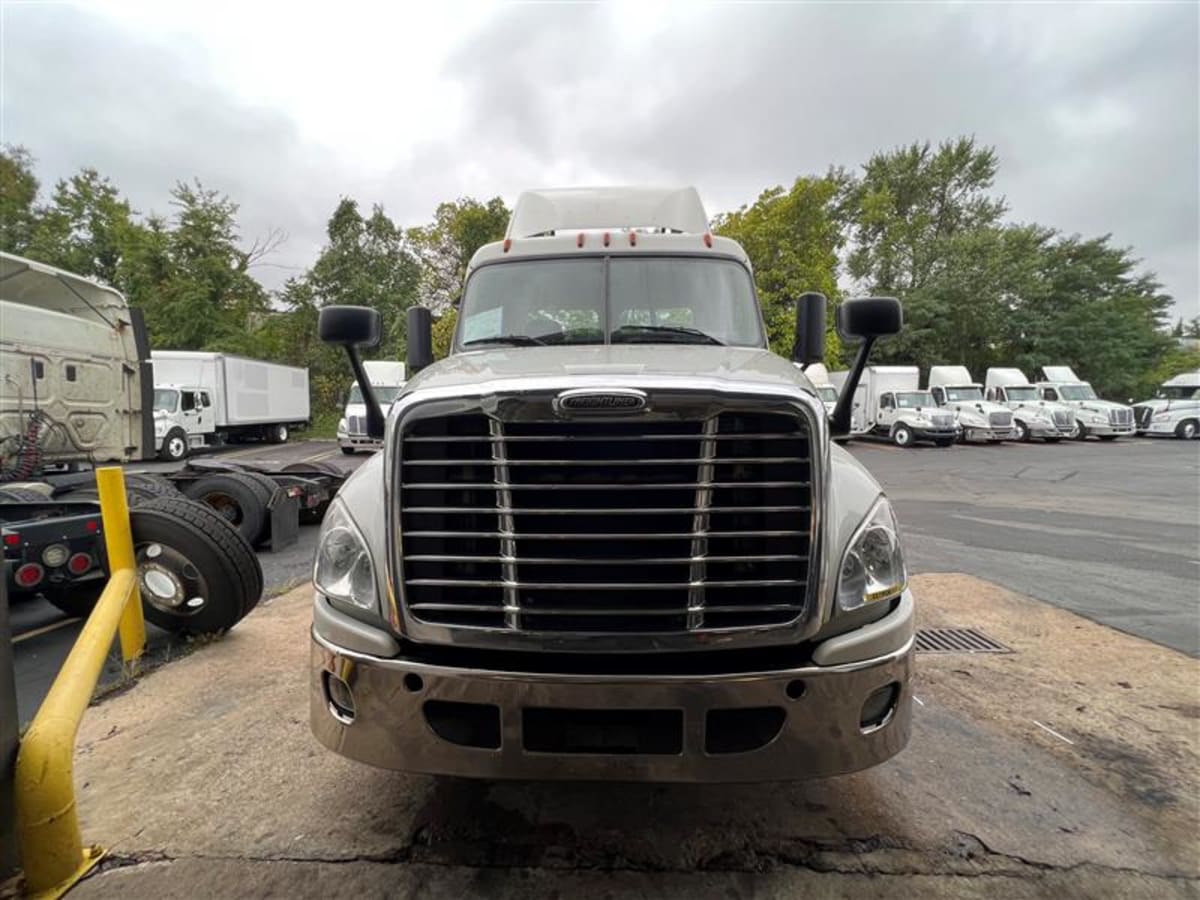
(1033, 417)
(1175, 409)
(953, 388)
(889, 403)
(387, 380)
(1103, 418)
(819, 376)
(209, 399)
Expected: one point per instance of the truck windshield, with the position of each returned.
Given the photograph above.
(659, 300)
(1181, 392)
(167, 401)
(827, 394)
(385, 394)
(914, 399)
(963, 394)
(1021, 393)
(1076, 392)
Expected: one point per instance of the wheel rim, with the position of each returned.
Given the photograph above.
(1189, 430)
(225, 506)
(169, 581)
(176, 447)
(902, 437)
(1022, 431)
(281, 433)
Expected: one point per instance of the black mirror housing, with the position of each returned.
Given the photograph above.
(809, 344)
(420, 339)
(870, 317)
(350, 326)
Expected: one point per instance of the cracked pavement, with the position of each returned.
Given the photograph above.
(1065, 769)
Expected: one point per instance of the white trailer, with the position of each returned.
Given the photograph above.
(205, 399)
(1103, 418)
(889, 403)
(1175, 409)
(387, 379)
(980, 420)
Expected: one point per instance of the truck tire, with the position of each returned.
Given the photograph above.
(944, 442)
(151, 483)
(266, 491)
(237, 499)
(174, 446)
(277, 434)
(1023, 434)
(1187, 429)
(135, 494)
(349, 451)
(196, 573)
(21, 495)
(902, 436)
(1107, 437)
(1080, 432)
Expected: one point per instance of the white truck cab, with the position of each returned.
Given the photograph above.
(953, 388)
(1175, 409)
(819, 376)
(1103, 418)
(387, 379)
(889, 403)
(1033, 417)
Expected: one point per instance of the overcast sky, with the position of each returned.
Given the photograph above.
(286, 107)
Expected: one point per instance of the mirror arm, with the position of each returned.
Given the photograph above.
(839, 419)
(374, 410)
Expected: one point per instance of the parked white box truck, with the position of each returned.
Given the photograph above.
(954, 389)
(1175, 408)
(1033, 416)
(387, 380)
(892, 405)
(206, 399)
(1103, 418)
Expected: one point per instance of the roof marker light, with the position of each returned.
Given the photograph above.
(607, 238)
(633, 239)
(507, 244)
(12, 539)
(579, 240)
(707, 240)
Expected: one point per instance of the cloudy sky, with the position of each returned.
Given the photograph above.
(286, 107)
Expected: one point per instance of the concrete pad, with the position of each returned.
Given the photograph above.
(204, 775)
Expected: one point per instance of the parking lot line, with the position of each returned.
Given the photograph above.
(324, 454)
(1050, 730)
(45, 629)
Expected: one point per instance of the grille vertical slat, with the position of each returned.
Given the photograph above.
(648, 526)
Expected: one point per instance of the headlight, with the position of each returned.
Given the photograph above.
(1097, 418)
(341, 425)
(873, 567)
(342, 570)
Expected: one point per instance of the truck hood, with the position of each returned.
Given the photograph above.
(978, 409)
(1101, 406)
(612, 366)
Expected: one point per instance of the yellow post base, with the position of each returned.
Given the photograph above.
(91, 857)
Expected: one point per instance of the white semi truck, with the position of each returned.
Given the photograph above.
(889, 403)
(1175, 409)
(209, 399)
(387, 379)
(819, 376)
(953, 388)
(1033, 417)
(1103, 418)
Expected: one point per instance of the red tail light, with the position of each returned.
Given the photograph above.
(29, 575)
(93, 525)
(12, 540)
(79, 563)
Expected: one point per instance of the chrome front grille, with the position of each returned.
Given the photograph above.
(942, 420)
(1063, 418)
(606, 526)
(1121, 416)
(1000, 419)
(356, 425)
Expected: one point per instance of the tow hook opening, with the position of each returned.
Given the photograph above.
(879, 707)
(340, 698)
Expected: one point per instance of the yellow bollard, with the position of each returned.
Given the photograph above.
(52, 853)
(118, 540)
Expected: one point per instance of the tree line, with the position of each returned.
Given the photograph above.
(920, 222)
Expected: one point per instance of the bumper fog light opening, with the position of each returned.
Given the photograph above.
(340, 698)
(879, 708)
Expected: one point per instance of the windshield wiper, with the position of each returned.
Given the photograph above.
(680, 330)
(514, 340)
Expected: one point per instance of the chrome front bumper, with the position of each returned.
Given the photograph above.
(817, 730)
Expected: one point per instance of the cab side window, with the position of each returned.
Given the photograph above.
(187, 401)
(1049, 394)
(886, 402)
(205, 403)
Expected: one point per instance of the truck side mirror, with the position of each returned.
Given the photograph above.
(420, 338)
(809, 344)
(353, 327)
(868, 319)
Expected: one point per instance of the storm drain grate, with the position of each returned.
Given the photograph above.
(957, 640)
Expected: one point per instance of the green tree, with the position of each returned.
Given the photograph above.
(792, 239)
(18, 194)
(445, 246)
(367, 262)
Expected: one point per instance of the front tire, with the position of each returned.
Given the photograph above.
(1107, 437)
(944, 442)
(278, 434)
(1080, 432)
(1023, 434)
(1187, 429)
(174, 446)
(902, 436)
(349, 451)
